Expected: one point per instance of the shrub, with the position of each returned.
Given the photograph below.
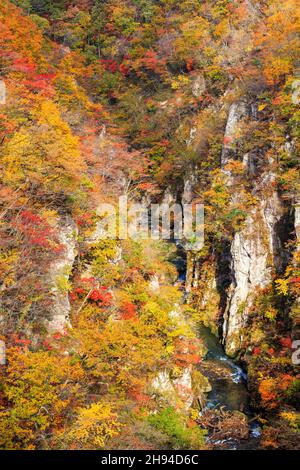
(175, 426)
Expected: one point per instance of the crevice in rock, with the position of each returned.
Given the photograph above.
(224, 279)
(285, 233)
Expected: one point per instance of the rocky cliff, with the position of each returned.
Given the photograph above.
(255, 252)
(258, 248)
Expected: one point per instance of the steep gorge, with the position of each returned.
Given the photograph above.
(162, 102)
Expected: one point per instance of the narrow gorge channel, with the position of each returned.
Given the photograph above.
(229, 389)
(150, 226)
(228, 380)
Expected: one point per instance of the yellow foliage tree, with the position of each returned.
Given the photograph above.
(39, 390)
(94, 426)
(45, 152)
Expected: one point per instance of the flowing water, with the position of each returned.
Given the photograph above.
(227, 379)
(229, 387)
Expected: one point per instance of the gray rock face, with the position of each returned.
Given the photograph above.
(198, 86)
(173, 390)
(154, 283)
(250, 270)
(189, 184)
(256, 252)
(257, 249)
(297, 222)
(2, 353)
(59, 273)
(296, 308)
(237, 112)
(168, 197)
(2, 92)
(192, 135)
(273, 211)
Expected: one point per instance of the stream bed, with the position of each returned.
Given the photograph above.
(229, 389)
(227, 379)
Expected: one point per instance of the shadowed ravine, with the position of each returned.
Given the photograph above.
(227, 379)
(229, 387)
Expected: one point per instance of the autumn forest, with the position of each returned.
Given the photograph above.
(145, 344)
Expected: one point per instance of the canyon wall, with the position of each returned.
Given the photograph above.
(256, 251)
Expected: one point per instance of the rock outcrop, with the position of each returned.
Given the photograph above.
(59, 273)
(181, 389)
(198, 86)
(176, 390)
(297, 221)
(251, 268)
(2, 92)
(257, 250)
(237, 112)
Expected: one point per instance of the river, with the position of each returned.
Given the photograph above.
(228, 381)
(229, 388)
